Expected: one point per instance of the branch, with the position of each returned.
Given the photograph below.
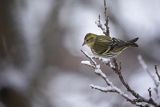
(113, 89)
(96, 67)
(99, 24)
(118, 72)
(158, 75)
(107, 33)
(139, 98)
(144, 66)
(110, 86)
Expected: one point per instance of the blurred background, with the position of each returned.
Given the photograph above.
(40, 58)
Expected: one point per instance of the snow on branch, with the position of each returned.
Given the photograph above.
(144, 66)
(156, 81)
(136, 99)
(100, 25)
(110, 86)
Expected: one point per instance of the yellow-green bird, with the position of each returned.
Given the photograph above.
(106, 46)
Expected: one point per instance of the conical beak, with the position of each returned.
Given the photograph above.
(83, 43)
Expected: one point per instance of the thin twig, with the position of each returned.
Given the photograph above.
(150, 93)
(92, 61)
(158, 75)
(118, 72)
(97, 68)
(99, 24)
(114, 89)
(107, 33)
(134, 93)
(144, 66)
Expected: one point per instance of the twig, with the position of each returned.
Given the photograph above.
(158, 75)
(92, 61)
(144, 66)
(113, 89)
(150, 93)
(97, 68)
(107, 33)
(99, 24)
(118, 72)
(110, 86)
(129, 89)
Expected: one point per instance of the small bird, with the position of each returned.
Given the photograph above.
(105, 46)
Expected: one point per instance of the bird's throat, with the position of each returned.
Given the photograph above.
(91, 44)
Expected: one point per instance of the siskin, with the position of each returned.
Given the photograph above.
(105, 46)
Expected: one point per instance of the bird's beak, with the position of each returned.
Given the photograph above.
(83, 43)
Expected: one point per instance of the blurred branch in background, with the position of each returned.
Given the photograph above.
(11, 41)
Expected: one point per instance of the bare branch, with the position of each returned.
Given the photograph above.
(150, 93)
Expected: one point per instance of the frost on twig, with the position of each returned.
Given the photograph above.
(100, 25)
(144, 66)
(156, 81)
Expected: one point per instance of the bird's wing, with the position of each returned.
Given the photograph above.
(102, 44)
(103, 38)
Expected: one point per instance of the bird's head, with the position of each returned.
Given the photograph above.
(89, 39)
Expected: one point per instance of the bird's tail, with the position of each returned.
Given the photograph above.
(132, 42)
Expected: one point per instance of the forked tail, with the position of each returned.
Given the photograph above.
(132, 42)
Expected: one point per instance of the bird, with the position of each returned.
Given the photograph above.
(106, 46)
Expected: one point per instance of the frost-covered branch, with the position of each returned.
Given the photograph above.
(156, 82)
(100, 25)
(144, 66)
(138, 99)
(110, 86)
(118, 71)
(106, 19)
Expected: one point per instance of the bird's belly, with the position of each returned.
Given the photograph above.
(106, 54)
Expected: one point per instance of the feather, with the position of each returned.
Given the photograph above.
(102, 44)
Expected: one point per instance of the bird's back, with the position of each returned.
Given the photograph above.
(102, 44)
